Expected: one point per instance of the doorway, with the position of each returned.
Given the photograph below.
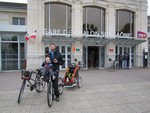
(93, 57)
(65, 50)
(122, 50)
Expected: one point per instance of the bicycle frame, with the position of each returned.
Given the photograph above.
(29, 79)
(27, 76)
(50, 90)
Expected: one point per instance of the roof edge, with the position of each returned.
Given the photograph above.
(14, 1)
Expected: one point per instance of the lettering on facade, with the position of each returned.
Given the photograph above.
(56, 32)
(50, 32)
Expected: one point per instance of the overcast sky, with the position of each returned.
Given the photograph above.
(25, 1)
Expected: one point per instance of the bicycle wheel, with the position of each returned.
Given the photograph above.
(49, 94)
(39, 84)
(60, 85)
(21, 91)
(79, 83)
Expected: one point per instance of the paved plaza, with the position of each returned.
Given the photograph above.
(103, 91)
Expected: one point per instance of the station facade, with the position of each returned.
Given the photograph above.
(92, 31)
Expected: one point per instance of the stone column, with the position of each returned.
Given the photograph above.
(110, 29)
(141, 25)
(35, 51)
(77, 22)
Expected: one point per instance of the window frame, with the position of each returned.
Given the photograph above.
(20, 41)
(131, 20)
(67, 6)
(101, 21)
(18, 20)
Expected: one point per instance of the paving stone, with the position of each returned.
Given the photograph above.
(122, 91)
(26, 109)
(17, 109)
(6, 109)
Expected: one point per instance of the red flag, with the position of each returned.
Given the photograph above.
(26, 37)
(33, 35)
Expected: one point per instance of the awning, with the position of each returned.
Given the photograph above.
(127, 41)
(95, 40)
(92, 40)
(116, 41)
(56, 39)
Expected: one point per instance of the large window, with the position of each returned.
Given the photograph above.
(57, 16)
(125, 22)
(148, 30)
(18, 21)
(12, 51)
(93, 19)
(148, 19)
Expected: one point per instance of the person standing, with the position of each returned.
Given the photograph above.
(125, 60)
(56, 59)
(128, 58)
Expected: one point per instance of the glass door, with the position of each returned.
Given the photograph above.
(9, 56)
(66, 55)
(122, 50)
(132, 57)
(98, 57)
(85, 57)
(101, 57)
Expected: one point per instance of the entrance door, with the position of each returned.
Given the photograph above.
(13, 56)
(93, 56)
(101, 57)
(65, 50)
(129, 50)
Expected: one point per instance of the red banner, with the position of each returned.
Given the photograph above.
(74, 48)
(141, 34)
(111, 50)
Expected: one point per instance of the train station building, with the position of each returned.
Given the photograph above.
(93, 31)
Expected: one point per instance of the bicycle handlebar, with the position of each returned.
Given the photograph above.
(39, 69)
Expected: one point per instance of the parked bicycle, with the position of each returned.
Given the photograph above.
(111, 65)
(38, 83)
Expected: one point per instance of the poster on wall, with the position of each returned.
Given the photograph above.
(77, 48)
(111, 50)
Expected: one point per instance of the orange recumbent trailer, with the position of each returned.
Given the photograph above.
(72, 77)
